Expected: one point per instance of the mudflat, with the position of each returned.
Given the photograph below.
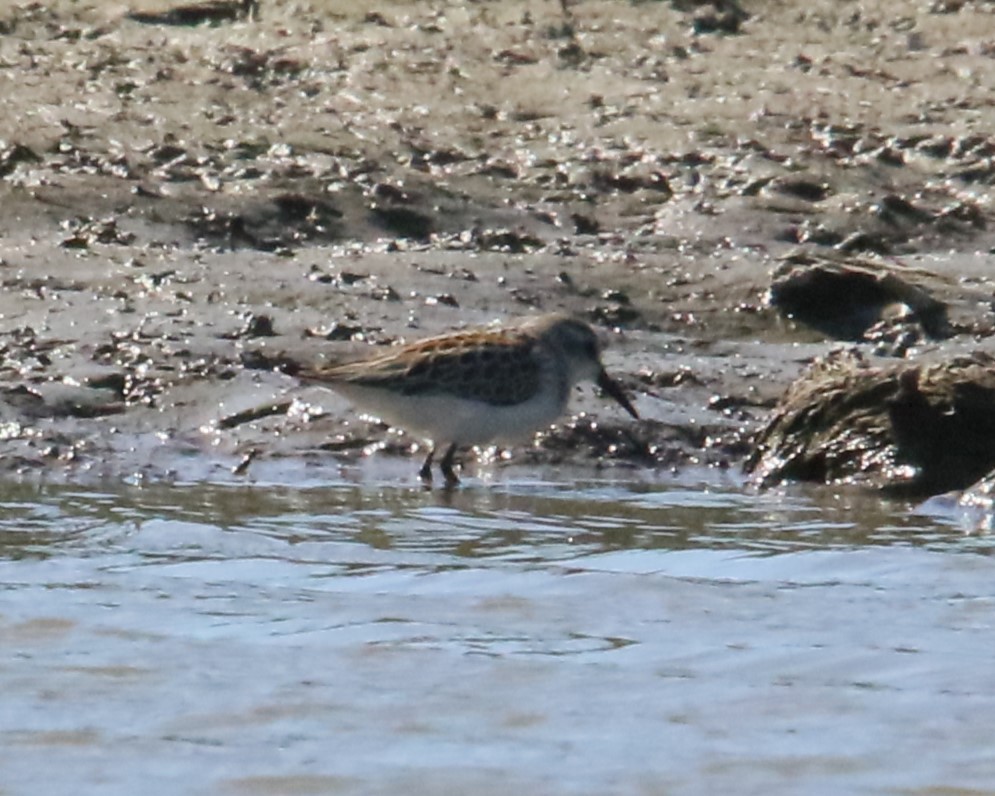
(191, 212)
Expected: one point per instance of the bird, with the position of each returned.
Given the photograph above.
(475, 387)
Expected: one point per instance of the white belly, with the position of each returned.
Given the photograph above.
(445, 418)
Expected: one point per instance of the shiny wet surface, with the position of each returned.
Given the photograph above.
(555, 636)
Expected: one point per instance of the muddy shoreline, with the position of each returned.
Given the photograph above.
(189, 213)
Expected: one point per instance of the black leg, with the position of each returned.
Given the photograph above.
(425, 473)
(447, 466)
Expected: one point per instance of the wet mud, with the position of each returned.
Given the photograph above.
(195, 204)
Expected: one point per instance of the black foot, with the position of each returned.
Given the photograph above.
(425, 473)
(446, 465)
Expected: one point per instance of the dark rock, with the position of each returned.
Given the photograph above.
(845, 299)
(917, 430)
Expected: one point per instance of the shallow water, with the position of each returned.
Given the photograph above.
(554, 637)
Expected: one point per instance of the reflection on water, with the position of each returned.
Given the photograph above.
(566, 637)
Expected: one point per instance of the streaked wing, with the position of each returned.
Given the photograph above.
(494, 367)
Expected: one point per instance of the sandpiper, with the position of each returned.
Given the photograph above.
(476, 387)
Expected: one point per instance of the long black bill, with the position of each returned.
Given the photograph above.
(611, 389)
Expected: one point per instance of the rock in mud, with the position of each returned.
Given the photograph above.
(846, 300)
(910, 429)
(212, 12)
